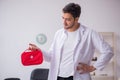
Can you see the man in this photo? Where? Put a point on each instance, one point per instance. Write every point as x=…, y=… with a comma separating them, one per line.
x=73, y=48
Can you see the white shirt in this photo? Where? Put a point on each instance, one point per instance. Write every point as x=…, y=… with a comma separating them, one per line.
x=67, y=65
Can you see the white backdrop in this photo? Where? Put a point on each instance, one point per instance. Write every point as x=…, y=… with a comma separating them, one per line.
x=22, y=20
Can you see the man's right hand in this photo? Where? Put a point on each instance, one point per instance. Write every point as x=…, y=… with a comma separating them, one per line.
x=33, y=47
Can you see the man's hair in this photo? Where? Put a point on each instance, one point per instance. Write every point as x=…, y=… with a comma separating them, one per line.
x=73, y=9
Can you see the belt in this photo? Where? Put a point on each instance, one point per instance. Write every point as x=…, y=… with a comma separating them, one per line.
x=65, y=78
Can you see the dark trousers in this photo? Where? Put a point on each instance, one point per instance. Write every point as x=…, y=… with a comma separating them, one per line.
x=62, y=78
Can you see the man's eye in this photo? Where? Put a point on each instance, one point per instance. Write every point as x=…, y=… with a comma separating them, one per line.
x=68, y=19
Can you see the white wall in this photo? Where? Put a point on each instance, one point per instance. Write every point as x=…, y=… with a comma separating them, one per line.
x=22, y=20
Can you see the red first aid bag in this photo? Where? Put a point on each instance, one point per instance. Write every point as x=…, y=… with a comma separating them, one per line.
x=31, y=57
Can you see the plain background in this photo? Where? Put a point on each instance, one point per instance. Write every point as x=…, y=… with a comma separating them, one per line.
x=22, y=20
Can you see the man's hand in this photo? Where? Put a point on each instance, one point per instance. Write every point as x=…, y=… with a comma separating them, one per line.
x=33, y=47
x=84, y=68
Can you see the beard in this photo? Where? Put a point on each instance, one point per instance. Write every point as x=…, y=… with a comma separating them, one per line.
x=69, y=26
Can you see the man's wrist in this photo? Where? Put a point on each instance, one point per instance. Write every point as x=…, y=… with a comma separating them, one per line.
x=92, y=68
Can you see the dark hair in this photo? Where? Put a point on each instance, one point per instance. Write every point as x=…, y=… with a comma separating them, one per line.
x=73, y=9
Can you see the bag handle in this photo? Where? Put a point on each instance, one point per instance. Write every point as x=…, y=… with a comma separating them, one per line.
x=28, y=50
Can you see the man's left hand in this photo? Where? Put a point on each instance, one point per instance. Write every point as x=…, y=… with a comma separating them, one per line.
x=84, y=68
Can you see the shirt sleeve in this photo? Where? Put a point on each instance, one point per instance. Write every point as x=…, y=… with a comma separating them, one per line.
x=48, y=54
x=104, y=48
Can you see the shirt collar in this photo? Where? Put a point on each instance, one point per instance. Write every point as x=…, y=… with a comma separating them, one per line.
x=81, y=31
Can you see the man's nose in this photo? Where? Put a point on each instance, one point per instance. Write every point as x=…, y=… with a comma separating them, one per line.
x=64, y=21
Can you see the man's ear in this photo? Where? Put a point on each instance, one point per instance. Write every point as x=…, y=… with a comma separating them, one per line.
x=76, y=19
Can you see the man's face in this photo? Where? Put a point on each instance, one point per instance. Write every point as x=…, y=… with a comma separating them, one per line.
x=68, y=21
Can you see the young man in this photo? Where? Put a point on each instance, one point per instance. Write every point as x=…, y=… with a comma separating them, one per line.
x=73, y=48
